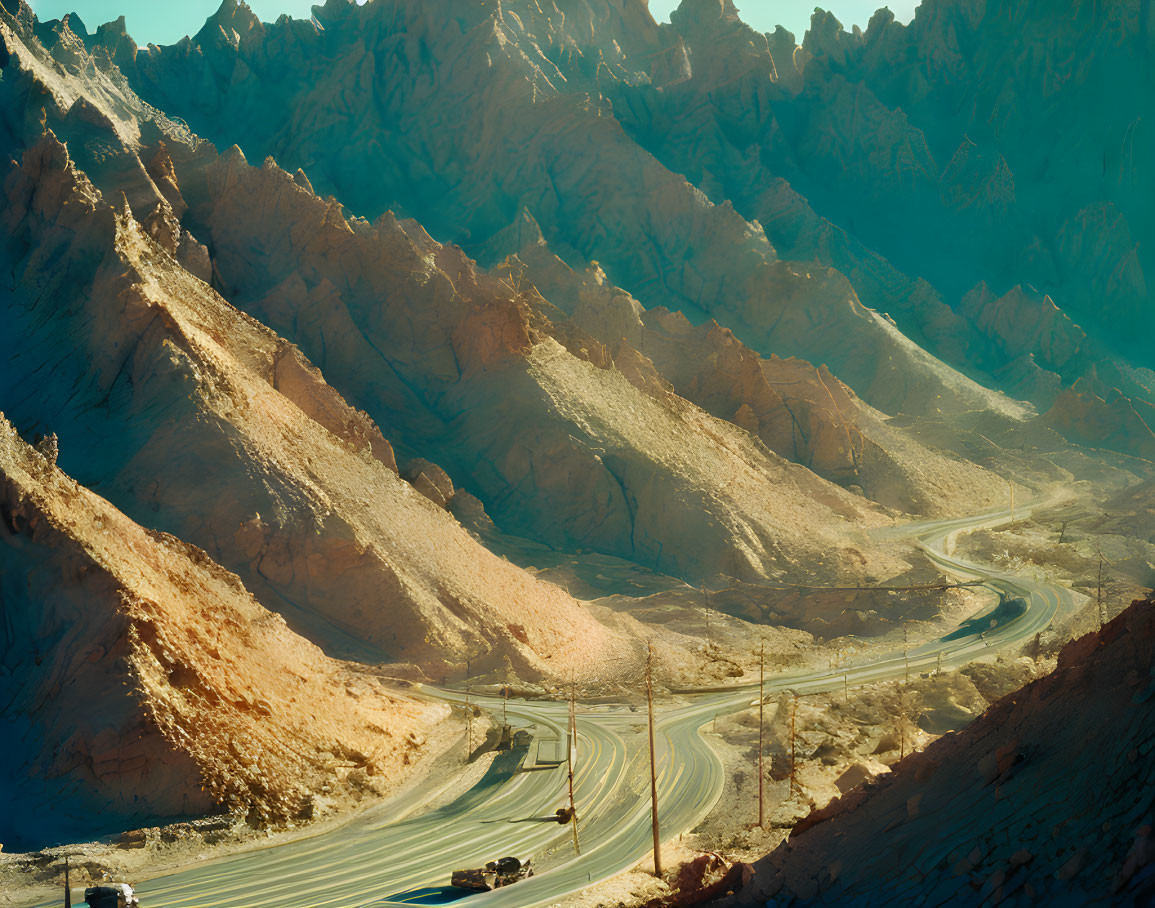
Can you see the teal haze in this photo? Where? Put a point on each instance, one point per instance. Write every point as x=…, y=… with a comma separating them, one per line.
x=150, y=22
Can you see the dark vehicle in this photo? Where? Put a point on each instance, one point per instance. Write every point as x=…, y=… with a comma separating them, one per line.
x=494, y=875
x=1008, y=609
x=114, y=895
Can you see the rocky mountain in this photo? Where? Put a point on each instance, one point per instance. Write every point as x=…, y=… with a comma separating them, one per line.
x=142, y=681
x=417, y=91
x=491, y=356
x=357, y=329
x=996, y=811
x=947, y=191
x=703, y=165
x=202, y=422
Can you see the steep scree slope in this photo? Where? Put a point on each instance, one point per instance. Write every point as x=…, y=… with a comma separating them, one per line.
x=1048, y=797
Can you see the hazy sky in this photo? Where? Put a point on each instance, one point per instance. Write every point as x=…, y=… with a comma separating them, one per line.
x=167, y=21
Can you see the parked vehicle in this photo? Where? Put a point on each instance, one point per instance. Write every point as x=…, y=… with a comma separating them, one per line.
x=114, y=895
x=494, y=875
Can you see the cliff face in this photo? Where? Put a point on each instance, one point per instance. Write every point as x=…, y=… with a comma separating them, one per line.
x=142, y=681
x=996, y=812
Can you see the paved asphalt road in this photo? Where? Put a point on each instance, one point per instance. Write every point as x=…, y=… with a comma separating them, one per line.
x=396, y=855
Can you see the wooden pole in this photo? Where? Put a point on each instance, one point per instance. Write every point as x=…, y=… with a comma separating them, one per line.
x=67, y=885
x=570, y=757
x=653, y=769
x=902, y=724
x=1099, y=592
x=468, y=715
x=906, y=650
x=793, y=714
x=761, y=702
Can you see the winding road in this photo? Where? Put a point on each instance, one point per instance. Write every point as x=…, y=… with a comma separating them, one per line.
x=394, y=855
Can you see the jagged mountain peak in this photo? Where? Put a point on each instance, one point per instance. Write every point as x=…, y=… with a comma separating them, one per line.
x=690, y=13
x=234, y=22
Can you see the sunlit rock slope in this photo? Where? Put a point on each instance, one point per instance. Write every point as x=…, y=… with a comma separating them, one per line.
x=197, y=420
x=142, y=681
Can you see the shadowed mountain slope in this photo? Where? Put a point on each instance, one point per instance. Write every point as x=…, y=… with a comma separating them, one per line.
x=1001, y=812
x=1002, y=160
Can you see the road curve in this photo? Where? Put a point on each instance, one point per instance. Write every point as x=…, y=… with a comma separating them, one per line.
x=391, y=855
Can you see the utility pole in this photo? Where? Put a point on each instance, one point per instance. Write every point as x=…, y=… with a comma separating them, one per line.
x=468, y=714
x=906, y=650
x=67, y=885
x=653, y=770
x=902, y=723
x=846, y=686
x=761, y=703
x=572, y=757
x=793, y=715
x=1099, y=591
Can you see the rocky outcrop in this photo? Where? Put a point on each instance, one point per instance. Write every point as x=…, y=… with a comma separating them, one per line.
x=1001, y=90
x=975, y=816
x=1025, y=322
x=207, y=399
x=157, y=686
x=836, y=148
x=1117, y=423
x=511, y=399
x=803, y=413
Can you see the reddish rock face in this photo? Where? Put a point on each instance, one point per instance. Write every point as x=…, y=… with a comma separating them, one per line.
x=803, y=414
